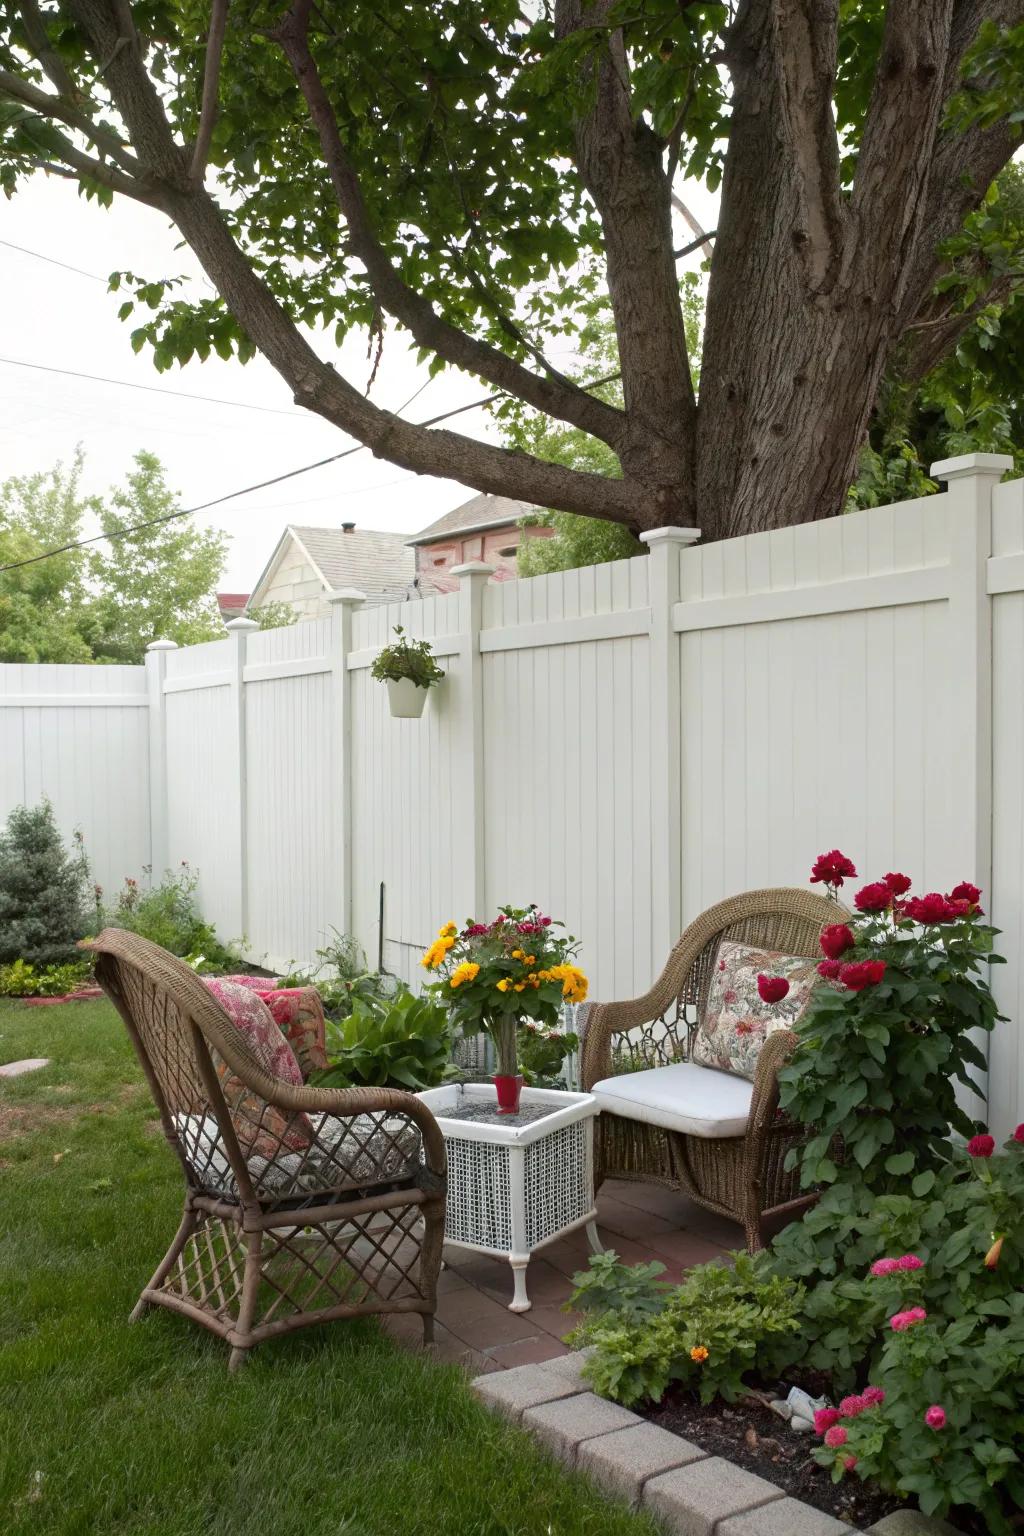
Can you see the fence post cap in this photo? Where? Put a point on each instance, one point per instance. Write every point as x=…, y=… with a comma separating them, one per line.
x=971, y=464
x=653, y=536
x=346, y=595
x=162, y=645
x=240, y=626
x=471, y=568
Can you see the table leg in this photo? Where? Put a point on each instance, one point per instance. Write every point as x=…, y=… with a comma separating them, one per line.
x=520, y=1301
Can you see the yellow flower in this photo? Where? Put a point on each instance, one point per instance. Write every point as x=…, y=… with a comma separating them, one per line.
x=529, y=959
x=574, y=983
x=517, y=954
x=698, y=1354
x=534, y=982
x=448, y=931
x=503, y=985
x=520, y=986
x=436, y=953
x=467, y=971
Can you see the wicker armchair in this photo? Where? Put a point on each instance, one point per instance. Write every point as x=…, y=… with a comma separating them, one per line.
x=741, y=1175
x=335, y=1207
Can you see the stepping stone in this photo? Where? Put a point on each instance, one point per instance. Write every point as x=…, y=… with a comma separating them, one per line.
x=30, y=1064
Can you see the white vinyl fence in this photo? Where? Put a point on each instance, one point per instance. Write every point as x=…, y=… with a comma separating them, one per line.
x=623, y=744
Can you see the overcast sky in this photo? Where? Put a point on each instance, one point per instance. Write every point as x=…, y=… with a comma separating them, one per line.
x=58, y=319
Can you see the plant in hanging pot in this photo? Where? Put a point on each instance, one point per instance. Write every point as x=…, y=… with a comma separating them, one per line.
x=497, y=976
x=409, y=667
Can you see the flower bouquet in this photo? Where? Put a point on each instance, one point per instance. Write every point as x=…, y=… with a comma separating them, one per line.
x=497, y=976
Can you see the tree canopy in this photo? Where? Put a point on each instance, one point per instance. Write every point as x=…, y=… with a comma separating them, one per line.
x=478, y=173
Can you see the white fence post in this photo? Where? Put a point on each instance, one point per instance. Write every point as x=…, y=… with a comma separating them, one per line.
x=237, y=922
x=471, y=879
x=970, y=480
x=343, y=601
x=664, y=587
x=156, y=674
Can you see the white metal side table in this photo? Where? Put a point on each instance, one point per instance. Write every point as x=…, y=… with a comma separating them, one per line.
x=516, y=1182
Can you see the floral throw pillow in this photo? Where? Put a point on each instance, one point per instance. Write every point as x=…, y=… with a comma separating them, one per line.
x=299, y=1013
x=260, y=1127
x=737, y=1021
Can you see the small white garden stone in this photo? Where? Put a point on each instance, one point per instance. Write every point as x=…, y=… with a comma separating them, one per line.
x=30, y=1064
x=781, y=1407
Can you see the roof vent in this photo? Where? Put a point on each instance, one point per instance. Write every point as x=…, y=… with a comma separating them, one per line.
x=347, y=527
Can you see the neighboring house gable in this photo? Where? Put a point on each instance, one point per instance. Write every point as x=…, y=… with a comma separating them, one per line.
x=483, y=528
x=310, y=562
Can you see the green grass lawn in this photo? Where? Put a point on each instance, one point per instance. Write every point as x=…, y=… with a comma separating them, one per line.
x=139, y=1430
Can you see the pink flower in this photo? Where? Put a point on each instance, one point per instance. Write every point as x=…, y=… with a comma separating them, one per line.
x=474, y=930
x=872, y=1396
x=885, y=1266
x=835, y=1437
x=832, y=868
x=910, y=1261
x=901, y=1321
x=861, y=974
x=772, y=989
x=849, y=1462
x=829, y=969
x=935, y=1417
x=873, y=898
x=824, y=1418
x=850, y=1407
x=729, y=995
x=981, y=1146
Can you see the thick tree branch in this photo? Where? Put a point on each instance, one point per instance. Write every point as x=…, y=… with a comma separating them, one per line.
x=806, y=42
x=211, y=83
x=59, y=110
x=39, y=43
x=555, y=397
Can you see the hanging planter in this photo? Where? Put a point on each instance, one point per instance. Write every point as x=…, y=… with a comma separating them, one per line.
x=410, y=669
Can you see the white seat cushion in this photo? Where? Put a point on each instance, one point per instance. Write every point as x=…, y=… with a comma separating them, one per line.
x=683, y=1097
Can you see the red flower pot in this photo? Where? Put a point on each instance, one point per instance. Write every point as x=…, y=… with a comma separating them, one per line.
x=508, y=1090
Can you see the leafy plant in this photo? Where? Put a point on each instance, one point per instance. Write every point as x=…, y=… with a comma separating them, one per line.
x=401, y=1042
x=42, y=889
x=169, y=915
x=407, y=658
x=629, y=1292
x=23, y=980
x=706, y=1333
x=882, y=1049
x=542, y=1052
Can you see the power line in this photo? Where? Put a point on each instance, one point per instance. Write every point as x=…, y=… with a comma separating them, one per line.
x=152, y=522
x=152, y=389
x=24, y=250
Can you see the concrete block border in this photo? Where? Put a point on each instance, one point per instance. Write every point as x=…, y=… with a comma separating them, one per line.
x=688, y=1491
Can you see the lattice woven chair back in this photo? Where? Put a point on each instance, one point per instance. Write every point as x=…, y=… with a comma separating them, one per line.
x=743, y=1177
x=302, y=1204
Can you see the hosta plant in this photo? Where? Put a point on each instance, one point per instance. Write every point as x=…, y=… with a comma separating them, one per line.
x=402, y=1042
x=885, y=1043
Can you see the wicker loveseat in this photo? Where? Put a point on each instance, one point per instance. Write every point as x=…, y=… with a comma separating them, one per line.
x=302, y=1204
x=716, y=1137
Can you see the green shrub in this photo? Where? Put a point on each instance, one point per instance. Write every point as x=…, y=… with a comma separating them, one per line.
x=42, y=889
x=23, y=980
x=705, y=1333
x=401, y=1042
x=542, y=1052
x=169, y=915
x=407, y=658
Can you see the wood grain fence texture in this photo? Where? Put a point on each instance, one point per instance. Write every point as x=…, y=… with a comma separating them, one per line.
x=623, y=744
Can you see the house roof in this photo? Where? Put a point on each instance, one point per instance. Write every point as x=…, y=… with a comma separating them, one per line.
x=374, y=562
x=478, y=512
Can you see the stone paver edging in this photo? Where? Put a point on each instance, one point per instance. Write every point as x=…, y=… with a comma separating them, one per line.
x=688, y=1491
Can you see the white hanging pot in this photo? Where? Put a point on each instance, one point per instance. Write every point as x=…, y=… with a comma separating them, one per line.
x=406, y=698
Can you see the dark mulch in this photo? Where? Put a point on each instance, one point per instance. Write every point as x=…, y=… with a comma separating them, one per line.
x=753, y=1436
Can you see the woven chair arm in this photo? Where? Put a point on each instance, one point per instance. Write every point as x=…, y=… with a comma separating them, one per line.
x=764, y=1102
x=348, y=1103
x=603, y=1021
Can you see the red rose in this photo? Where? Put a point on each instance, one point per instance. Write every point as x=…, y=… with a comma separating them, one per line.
x=965, y=891
x=932, y=908
x=873, y=898
x=829, y=969
x=832, y=868
x=861, y=974
x=835, y=940
x=898, y=884
x=981, y=1146
x=1018, y=1134
x=772, y=988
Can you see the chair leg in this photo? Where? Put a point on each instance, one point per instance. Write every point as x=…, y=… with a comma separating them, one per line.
x=189, y=1222
x=238, y=1357
x=428, y=1328
x=240, y=1337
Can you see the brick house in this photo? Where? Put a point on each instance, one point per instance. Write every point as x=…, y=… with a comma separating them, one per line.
x=483, y=528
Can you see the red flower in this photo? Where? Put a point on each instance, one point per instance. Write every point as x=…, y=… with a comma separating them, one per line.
x=829, y=969
x=836, y=939
x=824, y=1418
x=873, y=1395
x=849, y=1462
x=832, y=868
x=910, y=1261
x=772, y=988
x=835, y=1436
x=1018, y=1134
x=898, y=884
x=873, y=898
x=934, y=908
x=901, y=1321
x=965, y=891
x=935, y=1417
x=861, y=974
x=850, y=1407
x=981, y=1146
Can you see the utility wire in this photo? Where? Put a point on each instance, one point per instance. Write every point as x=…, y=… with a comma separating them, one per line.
x=152, y=522
x=152, y=389
x=24, y=250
